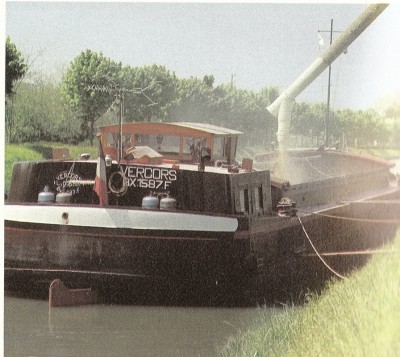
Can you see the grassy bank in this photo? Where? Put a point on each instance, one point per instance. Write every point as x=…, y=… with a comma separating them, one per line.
x=359, y=316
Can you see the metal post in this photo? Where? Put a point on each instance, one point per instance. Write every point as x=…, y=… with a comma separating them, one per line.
x=327, y=119
x=121, y=108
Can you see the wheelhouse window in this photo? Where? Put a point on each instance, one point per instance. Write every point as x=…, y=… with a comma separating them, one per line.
x=113, y=139
x=225, y=148
x=188, y=143
x=164, y=144
x=233, y=147
x=219, y=147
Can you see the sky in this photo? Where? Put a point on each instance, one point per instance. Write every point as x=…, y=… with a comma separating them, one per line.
x=256, y=45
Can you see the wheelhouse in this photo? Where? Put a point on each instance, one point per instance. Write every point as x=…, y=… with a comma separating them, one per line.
x=173, y=141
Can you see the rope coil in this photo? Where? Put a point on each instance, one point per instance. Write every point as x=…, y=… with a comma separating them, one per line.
x=117, y=183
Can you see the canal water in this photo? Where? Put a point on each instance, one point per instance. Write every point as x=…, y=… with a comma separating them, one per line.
x=31, y=329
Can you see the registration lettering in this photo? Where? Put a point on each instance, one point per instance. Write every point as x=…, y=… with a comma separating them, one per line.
x=67, y=181
x=149, y=177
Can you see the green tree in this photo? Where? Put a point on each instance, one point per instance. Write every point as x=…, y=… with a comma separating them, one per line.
x=269, y=124
x=308, y=121
x=209, y=80
x=155, y=92
x=362, y=127
x=90, y=86
x=40, y=113
x=395, y=134
x=236, y=108
x=15, y=70
x=268, y=95
x=15, y=65
x=192, y=101
x=245, y=110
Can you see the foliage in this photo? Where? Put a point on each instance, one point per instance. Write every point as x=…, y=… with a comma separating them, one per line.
x=308, y=120
x=83, y=84
x=393, y=111
x=192, y=101
x=245, y=111
x=226, y=105
x=93, y=85
x=155, y=92
x=362, y=127
x=15, y=70
x=39, y=114
x=395, y=132
x=15, y=65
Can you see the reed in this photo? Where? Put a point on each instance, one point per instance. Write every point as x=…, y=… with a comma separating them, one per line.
x=359, y=316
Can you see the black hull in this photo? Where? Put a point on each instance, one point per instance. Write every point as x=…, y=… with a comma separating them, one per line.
x=121, y=253
x=273, y=258
x=346, y=237
x=114, y=261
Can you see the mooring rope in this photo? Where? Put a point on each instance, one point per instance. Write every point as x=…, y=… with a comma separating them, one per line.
x=358, y=252
x=317, y=170
x=317, y=253
x=353, y=219
x=386, y=202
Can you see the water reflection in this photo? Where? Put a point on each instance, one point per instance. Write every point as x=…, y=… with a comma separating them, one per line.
x=30, y=329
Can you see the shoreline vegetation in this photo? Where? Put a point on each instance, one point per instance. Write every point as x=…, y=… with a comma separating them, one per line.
x=359, y=316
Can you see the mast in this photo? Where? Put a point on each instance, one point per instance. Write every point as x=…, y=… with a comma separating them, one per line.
x=327, y=120
x=120, y=96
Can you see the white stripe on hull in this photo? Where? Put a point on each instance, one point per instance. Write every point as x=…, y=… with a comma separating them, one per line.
x=118, y=218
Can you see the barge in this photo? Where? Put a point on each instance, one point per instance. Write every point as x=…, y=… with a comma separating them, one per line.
x=172, y=206
x=169, y=204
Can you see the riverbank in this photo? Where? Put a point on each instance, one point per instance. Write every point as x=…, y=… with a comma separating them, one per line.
x=359, y=316
x=384, y=153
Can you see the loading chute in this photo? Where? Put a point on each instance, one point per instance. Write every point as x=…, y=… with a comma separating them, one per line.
x=282, y=106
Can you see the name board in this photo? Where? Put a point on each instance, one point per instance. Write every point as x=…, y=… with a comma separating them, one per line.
x=149, y=177
x=63, y=180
